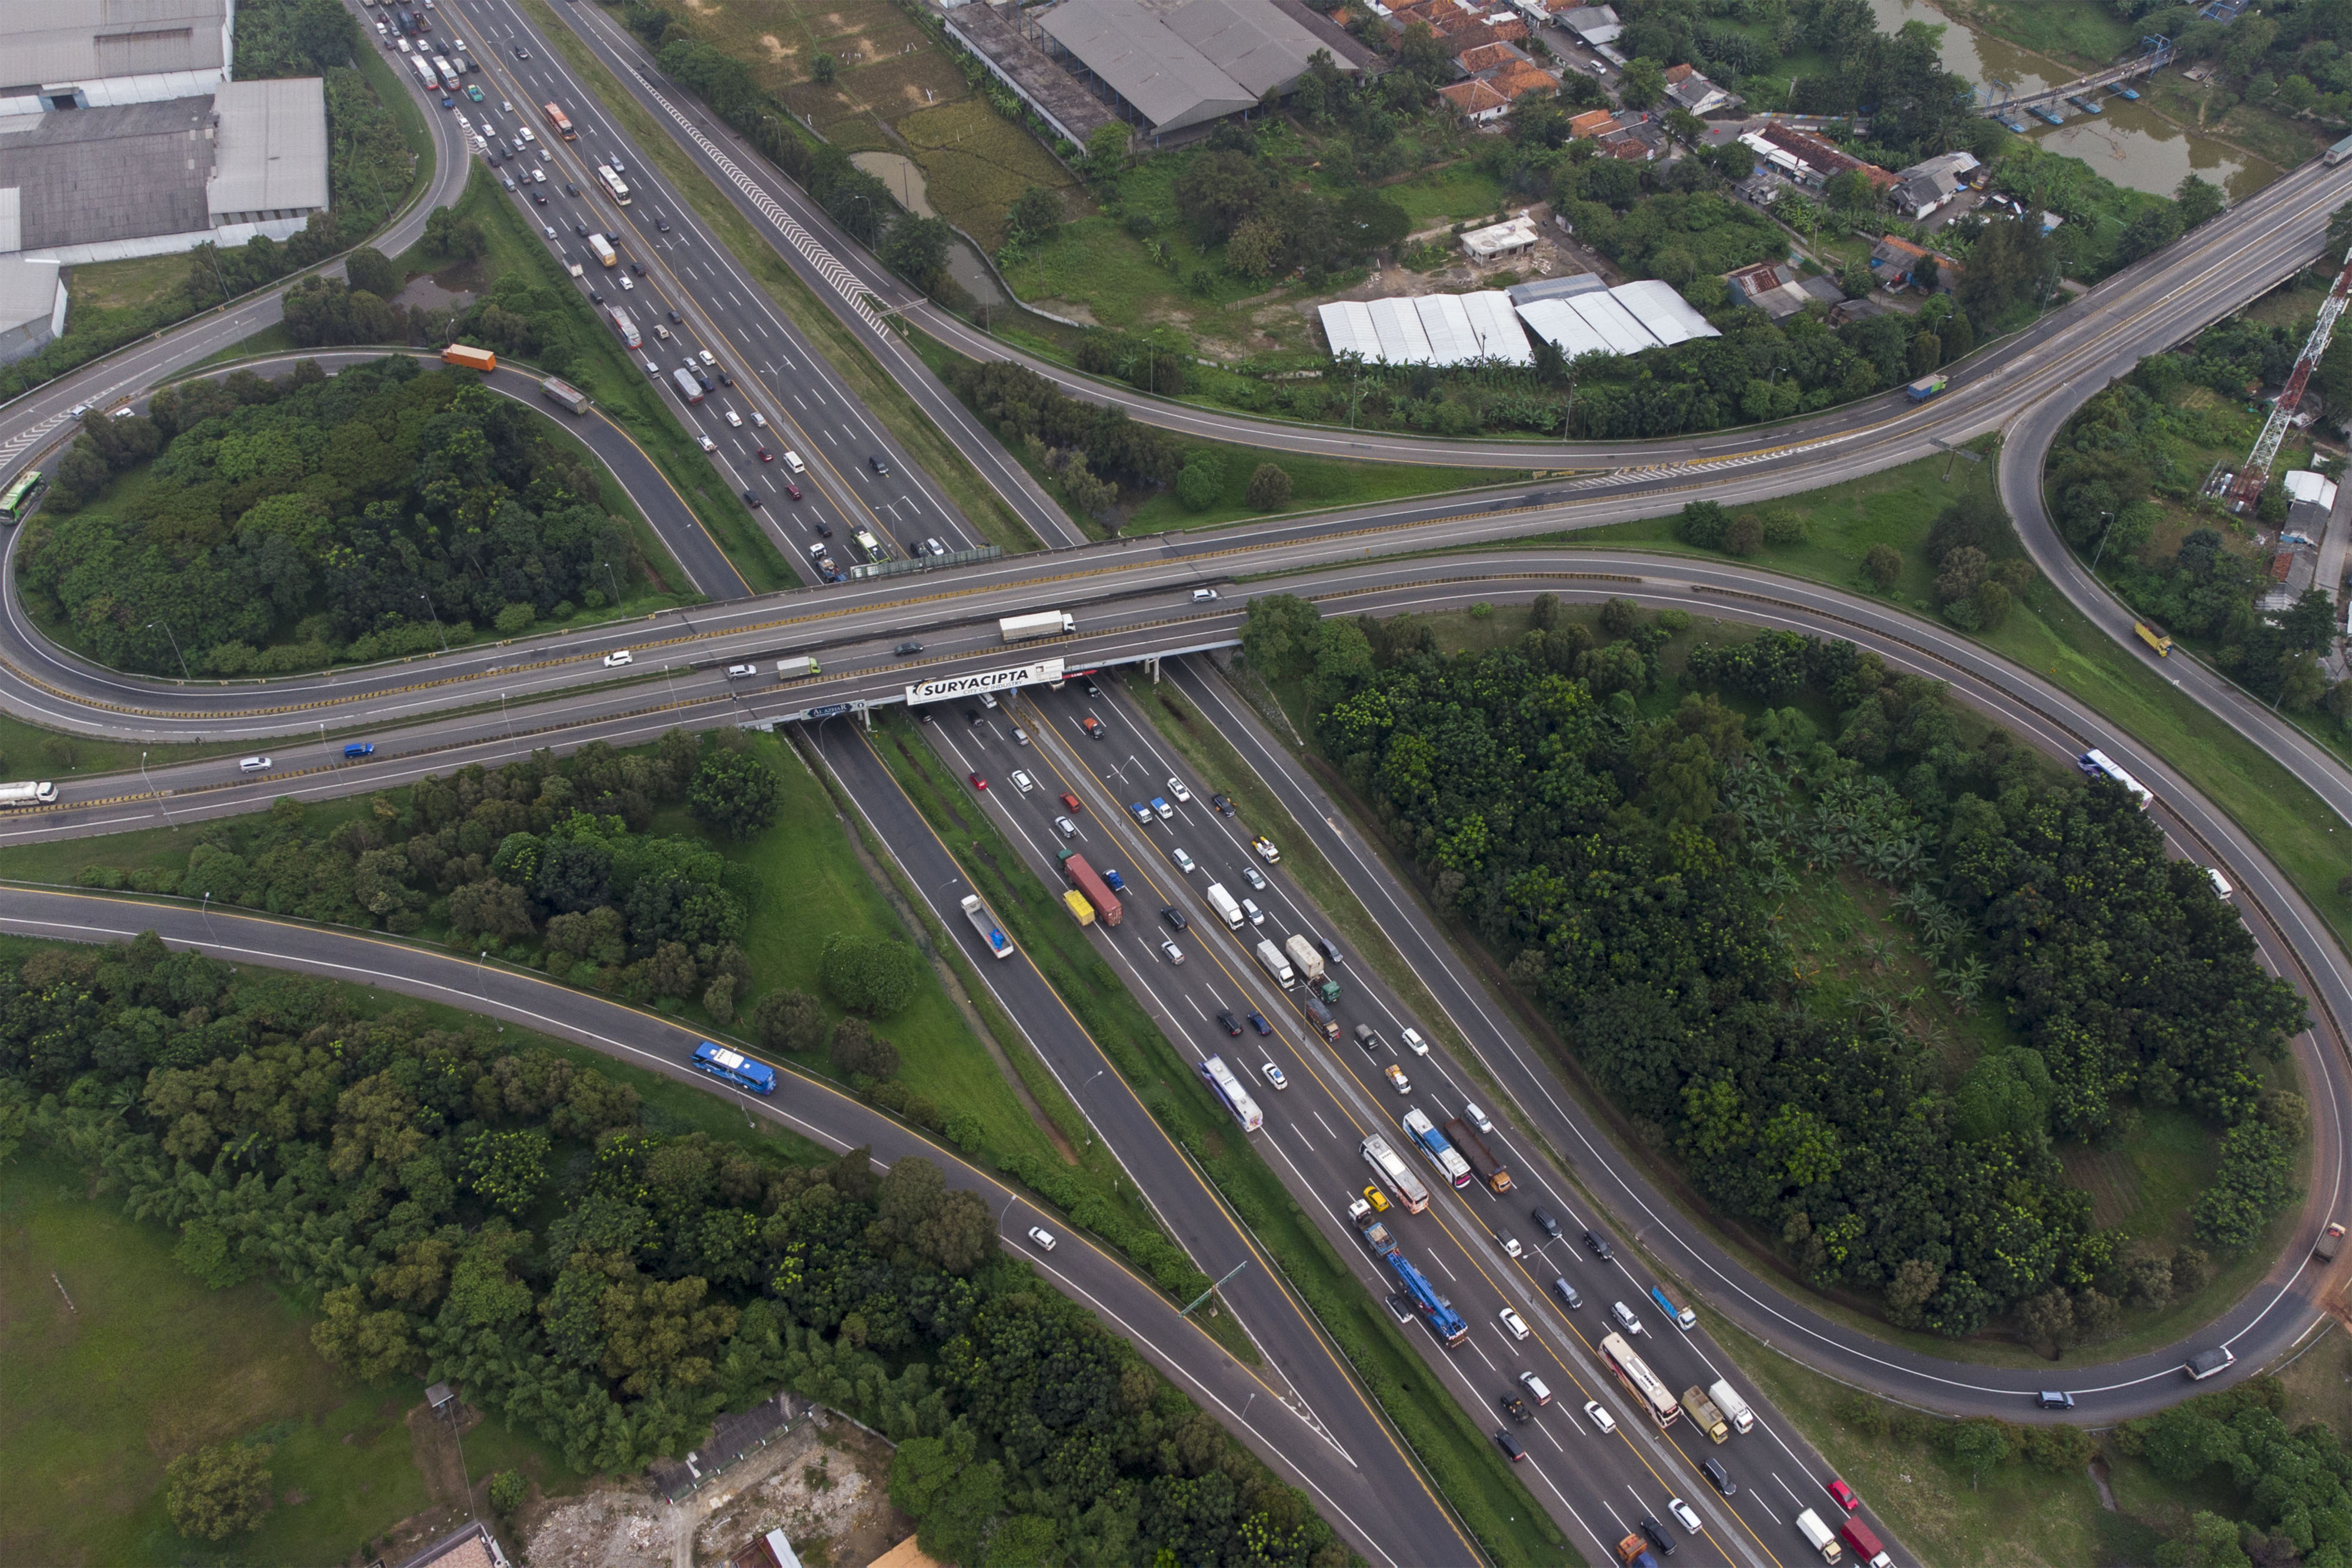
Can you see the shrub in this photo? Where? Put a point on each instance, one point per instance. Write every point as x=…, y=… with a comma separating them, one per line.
x=1883, y=566
x=870, y=975
x=219, y=1491
x=1269, y=488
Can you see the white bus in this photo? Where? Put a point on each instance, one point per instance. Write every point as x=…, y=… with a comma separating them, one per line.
x=1638, y=1380
x=424, y=73
x=2096, y=764
x=1442, y=1154
x=613, y=184
x=1229, y=1089
x=1395, y=1174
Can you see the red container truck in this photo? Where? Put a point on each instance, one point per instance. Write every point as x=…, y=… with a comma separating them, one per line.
x=1085, y=878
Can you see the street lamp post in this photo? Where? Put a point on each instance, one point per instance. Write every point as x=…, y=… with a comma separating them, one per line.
x=2102, y=542
x=613, y=580
x=436, y=620
x=166, y=626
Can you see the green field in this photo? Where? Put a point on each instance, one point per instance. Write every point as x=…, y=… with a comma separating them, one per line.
x=852, y=360
x=1463, y=1462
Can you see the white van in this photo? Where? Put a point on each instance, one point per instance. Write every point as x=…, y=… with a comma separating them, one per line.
x=792, y=461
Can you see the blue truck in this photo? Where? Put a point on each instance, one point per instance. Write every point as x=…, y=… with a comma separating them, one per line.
x=1681, y=1318
x=1926, y=386
x=1434, y=1310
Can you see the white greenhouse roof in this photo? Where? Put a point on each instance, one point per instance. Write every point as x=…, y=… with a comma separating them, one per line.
x=1563, y=328
x=1348, y=325
x=1403, y=342
x=1451, y=340
x=1500, y=336
x=1619, y=327
x=1668, y=316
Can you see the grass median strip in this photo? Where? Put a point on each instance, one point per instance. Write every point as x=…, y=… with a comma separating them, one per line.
x=1459, y=1458
x=851, y=359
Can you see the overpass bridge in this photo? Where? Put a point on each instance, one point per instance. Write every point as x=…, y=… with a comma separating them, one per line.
x=2154, y=53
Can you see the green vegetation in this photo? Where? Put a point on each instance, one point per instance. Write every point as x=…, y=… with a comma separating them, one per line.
x=1459, y=1458
x=1874, y=1172
x=378, y=156
x=244, y=526
x=852, y=356
x=665, y=1277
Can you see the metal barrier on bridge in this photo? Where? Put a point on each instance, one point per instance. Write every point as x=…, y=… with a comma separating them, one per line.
x=914, y=563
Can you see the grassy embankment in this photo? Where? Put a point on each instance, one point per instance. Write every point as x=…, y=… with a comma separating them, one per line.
x=1460, y=1457
x=850, y=356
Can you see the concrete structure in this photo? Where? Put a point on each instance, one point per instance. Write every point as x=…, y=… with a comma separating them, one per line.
x=471, y=1545
x=1428, y=329
x=32, y=307
x=1001, y=45
x=104, y=54
x=147, y=179
x=1501, y=239
x=1592, y=25
x=1189, y=64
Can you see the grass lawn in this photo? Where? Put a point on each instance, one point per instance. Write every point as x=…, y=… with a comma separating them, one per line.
x=976, y=164
x=607, y=374
x=1449, y=194
x=2082, y=34
x=1461, y=1460
x=854, y=360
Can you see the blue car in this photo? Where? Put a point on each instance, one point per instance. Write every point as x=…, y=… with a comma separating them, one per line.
x=1117, y=883
x=1258, y=1023
x=358, y=749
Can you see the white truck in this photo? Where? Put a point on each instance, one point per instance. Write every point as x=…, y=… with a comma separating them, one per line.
x=1227, y=910
x=1044, y=623
x=1727, y=1399
x=1816, y=1534
x=1303, y=953
x=43, y=793
x=1270, y=960
x=992, y=934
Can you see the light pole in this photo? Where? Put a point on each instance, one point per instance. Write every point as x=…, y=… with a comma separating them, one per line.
x=613, y=580
x=507, y=724
x=436, y=620
x=160, y=806
x=166, y=626
x=2102, y=542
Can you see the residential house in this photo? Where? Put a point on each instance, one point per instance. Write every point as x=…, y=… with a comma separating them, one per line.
x=1847, y=310
x=1693, y=91
x=1896, y=261
x=1824, y=154
x=1926, y=187
x=1486, y=58
x=1521, y=77
x=1476, y=100
x=1592, y=122
x=1780, y=290
x=1594, y=26
x=1501, y=239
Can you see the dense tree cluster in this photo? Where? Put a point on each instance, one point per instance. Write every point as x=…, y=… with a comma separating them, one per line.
x=2288, y=1494
x=378, y=1166
x=1094, y=454
x=1626, y=868
x=281, y=524
x=1270, y=221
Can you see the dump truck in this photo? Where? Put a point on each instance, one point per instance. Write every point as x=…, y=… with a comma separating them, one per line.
x=1926, y=386
x=1818, y=1536
x=990, y=934
x=1043, y=623
x=1090, y=882
x=1270, y=960
x=564, y=395
x=1316, y=1010
x=1482, y=1163
x=1374, y=1229
x=1080, y=910
x=467, y=357
x=1704, y=1414
x=2153, y=637
x=1635, y=1552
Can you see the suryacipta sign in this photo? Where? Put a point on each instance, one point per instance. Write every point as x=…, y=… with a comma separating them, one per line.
x=948, y=686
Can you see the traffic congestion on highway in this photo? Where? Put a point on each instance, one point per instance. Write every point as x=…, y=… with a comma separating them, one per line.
x=1557, y=1294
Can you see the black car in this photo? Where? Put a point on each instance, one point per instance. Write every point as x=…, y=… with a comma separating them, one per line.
x=1658, y=1536
x=662, y=224
x=1330, y=948
x=824, y=532
x=1258, y=1023
x=612, y=238
x=751, y=497
x=1515, y=1408
x=539, y=198
x=972, y=715
x=579, y=229
x=930, y=718
x=1092, y=690
x=594, y=297
x=1719, y=1478
x=1224, y=803
x=1174, y=917
x=904, y=649
x=638, y=267
x=1509, y=1445
x=1599, y=1246
x=521, y=52
x=1543, y=1218
x=570, y=189
x=676, y=320
x=879, y=464
x=725, y=379
x=1233, y=1025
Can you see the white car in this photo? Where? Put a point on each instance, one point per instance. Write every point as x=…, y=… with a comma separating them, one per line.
x=1513, y=1323
x=1476, y=1117
x=734, y=419
x=1022, y=782
x=254, y=764
x=539, y=176
x=1600, y=1418
x=506, y=108
x=1396, y=1076
x=1256, y=916
x=708, y=358
x=1175, y=954
x=1250, y=876
x=1274, y=1075
x=1412, y=1038
x=1683, y=1515
x=78, y=411
x=1176, y=788
x=707, y=445
x=1537, y=1386
x=1183, y=861
x=628, y=284
x=1042, y=1236
x=1069, y=830
x=742, y=672
x=1625, y=1318
x=614, y=661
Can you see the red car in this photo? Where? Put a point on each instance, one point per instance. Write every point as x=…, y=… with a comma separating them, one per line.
x=766, y=455
x=980, y=783
x=791, y=489
x=1845, y=1496
x=1072, y=802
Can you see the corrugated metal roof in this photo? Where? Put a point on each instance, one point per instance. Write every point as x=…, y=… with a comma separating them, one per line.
x=1666, y=315
x=1403, y=340
x=1258, y=47
x=1451, y=340
x=272, y=151
x=92, y=175
x=1553, y=321
x=64, y=42
x=1500, y=336
x=1347, y=327
x=1617, y=327
x=1168, y=80
x=1556, y=288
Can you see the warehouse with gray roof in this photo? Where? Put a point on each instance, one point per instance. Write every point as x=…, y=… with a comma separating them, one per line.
x=102, y=54
x=1173, y=68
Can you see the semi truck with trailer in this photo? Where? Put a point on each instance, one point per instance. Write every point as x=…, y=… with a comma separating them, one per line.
x=1817, y=1535
x=469, y=357
x=1320, y=1015
x=1868, y=1549
x=1080, y=910
x=565, y=394
x=1042, y=623
x=1926, y=386
x=1704, y=1415
x=1277, y=967
x=1728, y=1400
x=1227, y=910
x=1090, y=882
x=1395, y=1175
x=991, y=935
x=1482, y=1159
x=1308, y=961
